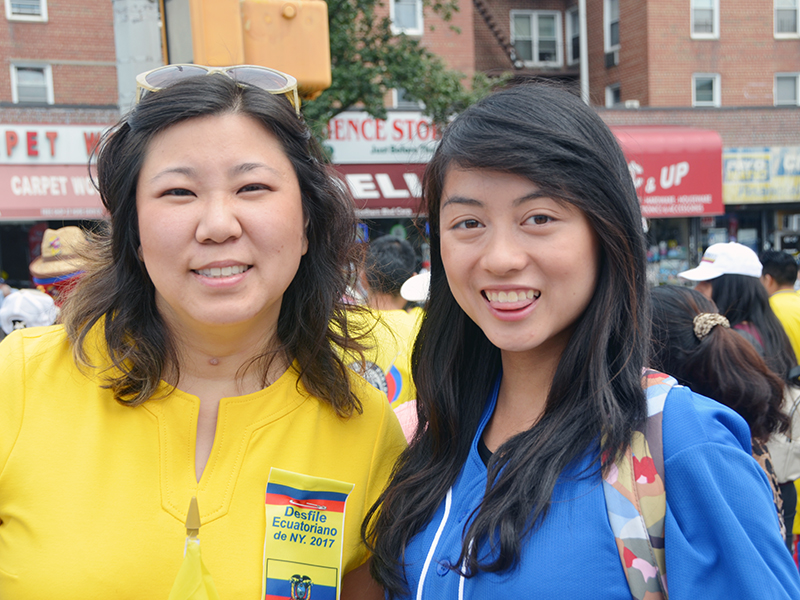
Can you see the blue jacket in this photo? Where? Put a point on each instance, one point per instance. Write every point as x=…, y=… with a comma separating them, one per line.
x=722, y=533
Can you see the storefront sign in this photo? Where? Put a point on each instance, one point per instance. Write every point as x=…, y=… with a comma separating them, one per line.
x=48, y=192
x=677, y=171
x=48, y=144
x=403, y=137
x=761, y=175
x=384, y=190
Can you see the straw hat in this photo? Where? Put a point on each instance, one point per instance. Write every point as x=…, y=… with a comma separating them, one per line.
x=60, y=256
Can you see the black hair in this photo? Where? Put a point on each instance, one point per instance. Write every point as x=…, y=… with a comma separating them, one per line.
x=117, y=289
x=390, y=262
x=781, y=266
x=743, y=299
x=551, y=138
x=723, y=365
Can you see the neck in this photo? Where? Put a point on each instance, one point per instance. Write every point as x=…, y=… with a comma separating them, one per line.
x=386, y=302
x=214, y=357
x=785, y=288
x=523, y=394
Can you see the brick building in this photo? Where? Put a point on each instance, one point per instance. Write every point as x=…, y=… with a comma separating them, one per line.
x=672, y=68
x=67, y=68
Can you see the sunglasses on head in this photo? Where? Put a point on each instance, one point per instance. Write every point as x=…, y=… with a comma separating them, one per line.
x=263, y=78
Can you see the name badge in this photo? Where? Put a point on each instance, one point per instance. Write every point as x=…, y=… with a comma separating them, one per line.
x=303, y=542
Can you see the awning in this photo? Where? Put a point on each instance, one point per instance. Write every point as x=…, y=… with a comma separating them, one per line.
x=677, y=171
x=43, y=192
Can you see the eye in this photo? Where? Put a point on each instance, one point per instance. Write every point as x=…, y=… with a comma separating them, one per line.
x=253, y=187
x=539, y=219
x=178, y=192
x=468, y=224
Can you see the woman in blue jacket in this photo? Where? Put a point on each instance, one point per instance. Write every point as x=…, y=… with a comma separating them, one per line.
x=528, y=369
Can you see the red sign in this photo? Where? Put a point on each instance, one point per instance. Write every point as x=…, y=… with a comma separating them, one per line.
x=48, y=192
x=384, y=190
x=677, y=171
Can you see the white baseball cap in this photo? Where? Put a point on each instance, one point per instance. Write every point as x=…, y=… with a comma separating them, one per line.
x=415, y=289
x=729, y=258
x=27, y=308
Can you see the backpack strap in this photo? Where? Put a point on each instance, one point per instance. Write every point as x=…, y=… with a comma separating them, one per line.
x=636, y=500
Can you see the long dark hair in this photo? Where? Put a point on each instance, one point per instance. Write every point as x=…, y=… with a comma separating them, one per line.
x=118, y=290
x=723, y=365
x=550, y=137
x=744, y=299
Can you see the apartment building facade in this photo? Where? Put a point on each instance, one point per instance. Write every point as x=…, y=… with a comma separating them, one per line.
x=670, y=77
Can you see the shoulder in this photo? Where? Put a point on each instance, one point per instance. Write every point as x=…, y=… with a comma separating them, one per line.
x=35, y=344
x=691, y=420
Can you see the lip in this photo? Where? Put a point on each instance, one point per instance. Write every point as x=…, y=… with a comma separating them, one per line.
x=221, y=281
x=510, y=311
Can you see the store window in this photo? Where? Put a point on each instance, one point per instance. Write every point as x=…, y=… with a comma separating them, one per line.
x=667, y=250
x=573, y=36
x=536, y=37
x=406, y=16
x=26, y=10
x=705, y=89
x=787, y=89
x=705, y=19
x=786, y=21
x=31, y=84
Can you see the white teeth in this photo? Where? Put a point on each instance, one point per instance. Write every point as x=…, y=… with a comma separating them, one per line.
x=222, y=271
x=513, y=296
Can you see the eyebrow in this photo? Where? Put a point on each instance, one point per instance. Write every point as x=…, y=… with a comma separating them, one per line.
x=247, y=167
x=463, y=200
x=237, y=170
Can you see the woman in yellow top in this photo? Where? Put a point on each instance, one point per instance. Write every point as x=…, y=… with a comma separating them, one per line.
x=197, y=359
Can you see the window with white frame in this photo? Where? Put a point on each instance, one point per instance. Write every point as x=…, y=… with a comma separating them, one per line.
x=573, y=36
x=402, y=101
x=787, y=89
x=613, y=95
x=786, y=21
x=536, y=36
x=611, y=25
x=705, y=89
x=705, y=19
x=406, y=16
x=31, y=84
x=26, y=10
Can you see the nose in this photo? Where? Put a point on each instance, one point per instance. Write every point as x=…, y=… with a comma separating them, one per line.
x=503, y=253
x=218, y=221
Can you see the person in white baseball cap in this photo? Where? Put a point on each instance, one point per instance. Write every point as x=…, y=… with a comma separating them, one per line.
x=730, y=258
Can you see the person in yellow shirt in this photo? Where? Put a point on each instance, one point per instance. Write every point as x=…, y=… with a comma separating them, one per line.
x=778, y=277
x=198, y=357
x=390, y=261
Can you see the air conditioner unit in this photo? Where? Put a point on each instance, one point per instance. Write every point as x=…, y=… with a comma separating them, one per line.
x=612, y=59
x=631, y=104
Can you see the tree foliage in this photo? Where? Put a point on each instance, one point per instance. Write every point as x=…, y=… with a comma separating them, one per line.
x=368, y=60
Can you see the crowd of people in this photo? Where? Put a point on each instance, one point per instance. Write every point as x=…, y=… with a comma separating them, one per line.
x=566, y=430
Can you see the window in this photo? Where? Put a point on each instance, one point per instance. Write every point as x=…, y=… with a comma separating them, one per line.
x=31, y=84
x=705, y=89
x=26, y=10
x=611, y=24
x=406, y=16
x=613, y=96
x=786, y=18
x=536, y=36
x=705, y=19
x=787, y=89
x=573, y=36
x=403, y=102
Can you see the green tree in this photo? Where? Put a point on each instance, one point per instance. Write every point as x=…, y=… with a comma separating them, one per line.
x=367, y=60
